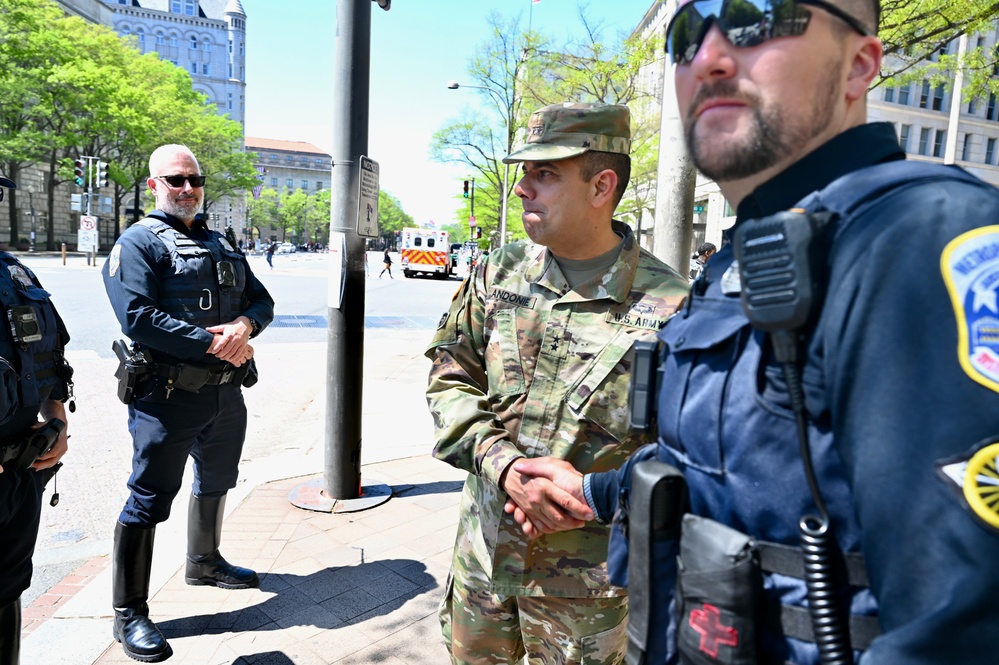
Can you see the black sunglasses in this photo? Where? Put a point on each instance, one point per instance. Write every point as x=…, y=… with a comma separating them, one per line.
x=744, y=23
x=178, y=180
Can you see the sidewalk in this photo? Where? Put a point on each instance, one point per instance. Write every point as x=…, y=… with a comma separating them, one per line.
x=358, y=587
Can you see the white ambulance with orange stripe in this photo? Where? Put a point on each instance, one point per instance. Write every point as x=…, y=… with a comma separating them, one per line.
x=425, y=251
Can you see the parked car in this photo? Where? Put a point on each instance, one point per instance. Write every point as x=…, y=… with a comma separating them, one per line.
x=286, y=248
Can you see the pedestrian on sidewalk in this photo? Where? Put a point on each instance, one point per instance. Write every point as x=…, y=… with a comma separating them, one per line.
x=534, y=333
x=190, y=303
x=387, y=260
x=270, y=254
x=35, y=380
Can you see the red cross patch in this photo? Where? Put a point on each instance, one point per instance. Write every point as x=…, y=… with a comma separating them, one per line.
x=706, y=621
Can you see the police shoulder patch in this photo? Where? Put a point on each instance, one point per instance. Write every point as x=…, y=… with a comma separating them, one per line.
x=970, y=267
x=114, y=260
x=19, y=274
x=974, y=477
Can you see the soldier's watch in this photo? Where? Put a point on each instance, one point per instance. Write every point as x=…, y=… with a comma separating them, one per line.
x=254, y=325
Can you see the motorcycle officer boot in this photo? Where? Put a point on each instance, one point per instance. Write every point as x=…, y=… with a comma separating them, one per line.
x=132, y=563
x=10, y=632
x=205, y=566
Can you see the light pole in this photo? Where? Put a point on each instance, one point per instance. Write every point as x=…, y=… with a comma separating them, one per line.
x=31, y=206
x=454, y=85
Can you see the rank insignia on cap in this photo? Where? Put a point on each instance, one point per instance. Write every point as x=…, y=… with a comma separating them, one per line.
x=974, y=476
x=114, y=260
x=970, y=266
x=19, y=275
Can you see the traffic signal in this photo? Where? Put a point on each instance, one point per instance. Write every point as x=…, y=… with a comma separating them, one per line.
x=466, y=189
x=478, y=232
x=102, y=174
x=78, y=172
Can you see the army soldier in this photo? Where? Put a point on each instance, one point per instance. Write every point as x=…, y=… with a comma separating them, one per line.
x=34, y=379
x=533, y=359
x=189, y=301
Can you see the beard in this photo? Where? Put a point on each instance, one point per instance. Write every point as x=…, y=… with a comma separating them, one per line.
x=184, y=209
x=773, y=134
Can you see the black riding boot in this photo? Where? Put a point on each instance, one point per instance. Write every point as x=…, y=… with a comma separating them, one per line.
x=133, y=560
x=10, y=632
x=204, y=563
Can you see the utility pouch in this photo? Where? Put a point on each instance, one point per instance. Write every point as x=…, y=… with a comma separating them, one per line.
x=188, y=377
x=132, y=370
x=719, y=584
x=251, y=377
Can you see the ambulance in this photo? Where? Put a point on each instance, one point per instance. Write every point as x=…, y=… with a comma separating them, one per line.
x=426, y=251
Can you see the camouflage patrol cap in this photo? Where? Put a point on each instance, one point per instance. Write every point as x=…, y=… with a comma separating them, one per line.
x=566, y=130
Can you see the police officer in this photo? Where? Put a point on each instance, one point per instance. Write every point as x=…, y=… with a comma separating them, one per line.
x=533, y=359
x=34, y=380
x=190, y=303
x=898, y=367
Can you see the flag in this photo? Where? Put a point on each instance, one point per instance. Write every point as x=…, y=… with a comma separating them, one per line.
x=535, y=2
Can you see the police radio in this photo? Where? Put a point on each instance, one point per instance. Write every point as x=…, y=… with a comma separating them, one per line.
x=643, y=389
x=782, y=268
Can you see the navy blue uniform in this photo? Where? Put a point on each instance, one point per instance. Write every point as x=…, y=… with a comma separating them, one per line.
x=901, y=379
x=29, y=374
x=163, y=281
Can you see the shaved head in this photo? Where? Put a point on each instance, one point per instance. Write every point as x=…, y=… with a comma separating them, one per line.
x=164, y=156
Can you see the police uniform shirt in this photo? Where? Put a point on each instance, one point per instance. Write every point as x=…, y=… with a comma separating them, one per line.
x=526, y=366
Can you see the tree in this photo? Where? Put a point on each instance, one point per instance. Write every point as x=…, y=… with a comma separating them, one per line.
x=263, y=210
x=317, y=216
x=291, y=214
x=391, y=217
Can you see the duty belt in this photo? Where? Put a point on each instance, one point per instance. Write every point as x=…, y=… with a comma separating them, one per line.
x=192, y=377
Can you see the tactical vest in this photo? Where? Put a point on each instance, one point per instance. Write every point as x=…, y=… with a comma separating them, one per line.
x=33, y=368
x=194, y=292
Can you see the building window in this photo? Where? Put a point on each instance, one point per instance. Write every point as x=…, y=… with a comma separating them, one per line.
x=206, y=46
x=190, y=7
x=938, y=98
x=173, y=61
x=903, y=137
x=230, y=71
x=206, y=69
x=924, y=95
x=173, y=41
x=230, y=46
x=319, y=185
x=289, y=183
x=990, y=112
x=889, y=95
x=903, y=95
x=938, y=142
x=305, y=184
x=273, y=182
x=175, y=7
x=194, y=68
x=160, y=39
x=972, y=106
x=194, y=43
x=289, y=157
x=924, y=141
x=966, y=151
x=990, y=150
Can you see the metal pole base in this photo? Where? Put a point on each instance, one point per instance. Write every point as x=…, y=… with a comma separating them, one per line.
x=310, y=496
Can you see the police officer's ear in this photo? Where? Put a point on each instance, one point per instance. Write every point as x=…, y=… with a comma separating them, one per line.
x=604, y=185
x=865, y=64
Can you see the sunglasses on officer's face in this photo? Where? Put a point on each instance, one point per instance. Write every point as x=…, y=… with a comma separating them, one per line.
x=178, y=180
x=744, y=23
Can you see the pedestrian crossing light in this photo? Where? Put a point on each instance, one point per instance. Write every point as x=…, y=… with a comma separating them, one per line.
x=466, y=189
x=478, y=232
x=78, y=172
x=102, y=174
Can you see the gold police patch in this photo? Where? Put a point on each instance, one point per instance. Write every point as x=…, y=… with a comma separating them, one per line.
x=974, y=476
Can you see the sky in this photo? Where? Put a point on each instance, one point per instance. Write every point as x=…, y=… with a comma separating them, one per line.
x=416, y=49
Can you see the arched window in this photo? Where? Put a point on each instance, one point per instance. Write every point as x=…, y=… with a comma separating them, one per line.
x=140, y=35
x=174, y=42
x=160, y=38
x=194, y=42
x=206, y=46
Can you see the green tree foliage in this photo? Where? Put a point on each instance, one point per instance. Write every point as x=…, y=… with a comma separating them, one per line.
x=291, y=214
x=391, y=217
x=920, y=39
x=263, y=211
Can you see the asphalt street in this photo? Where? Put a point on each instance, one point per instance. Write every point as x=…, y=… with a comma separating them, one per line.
x=286, y=407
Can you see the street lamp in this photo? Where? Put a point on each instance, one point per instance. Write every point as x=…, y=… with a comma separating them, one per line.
x=31, y=206
x=454, y=85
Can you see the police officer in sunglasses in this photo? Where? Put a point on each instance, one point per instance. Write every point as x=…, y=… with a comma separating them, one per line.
x=190, y=304
x=855, y=519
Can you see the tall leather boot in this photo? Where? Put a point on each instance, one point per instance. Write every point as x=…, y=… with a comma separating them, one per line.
x=204, y=563
x=10, y=632
x=132, y=563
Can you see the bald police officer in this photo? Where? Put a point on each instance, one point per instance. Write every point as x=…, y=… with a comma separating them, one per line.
x=190, y=302
x=533, y=359
x=34, y=380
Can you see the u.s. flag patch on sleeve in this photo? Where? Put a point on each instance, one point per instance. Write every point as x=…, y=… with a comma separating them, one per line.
x=970, y=266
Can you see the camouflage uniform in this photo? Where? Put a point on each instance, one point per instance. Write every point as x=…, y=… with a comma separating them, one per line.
x=526, y=366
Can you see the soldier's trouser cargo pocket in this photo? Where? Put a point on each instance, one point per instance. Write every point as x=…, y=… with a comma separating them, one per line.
x=718, y=589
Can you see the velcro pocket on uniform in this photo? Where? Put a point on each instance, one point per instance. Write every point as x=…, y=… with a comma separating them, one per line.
x=600, y=395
